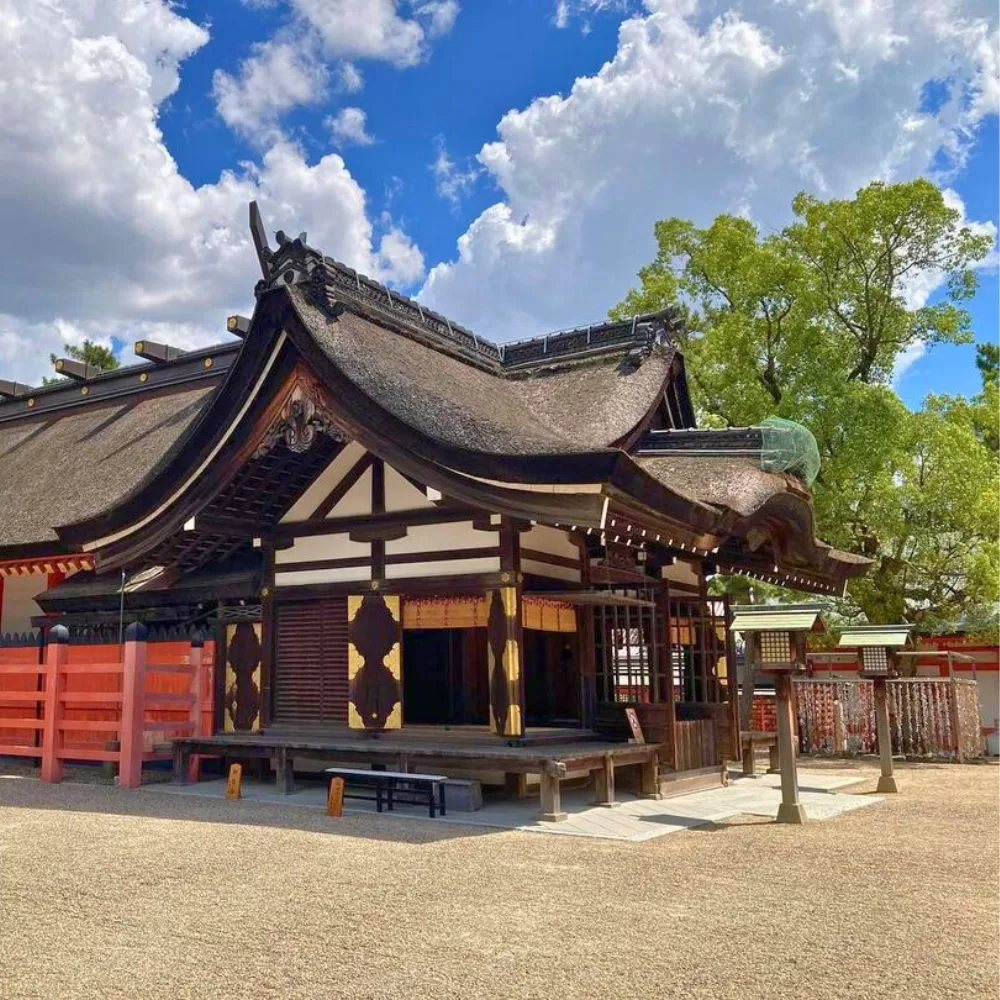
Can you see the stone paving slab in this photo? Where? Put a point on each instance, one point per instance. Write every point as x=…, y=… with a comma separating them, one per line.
x=633, y=819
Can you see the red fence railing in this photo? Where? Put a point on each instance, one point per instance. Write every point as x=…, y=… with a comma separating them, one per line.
x=101, y=702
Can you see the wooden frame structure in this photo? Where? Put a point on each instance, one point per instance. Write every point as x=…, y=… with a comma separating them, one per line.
x=379, y=512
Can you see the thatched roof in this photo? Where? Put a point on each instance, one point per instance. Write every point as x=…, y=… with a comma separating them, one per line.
x=735, y=482
x=62, y=468
x=568, y=408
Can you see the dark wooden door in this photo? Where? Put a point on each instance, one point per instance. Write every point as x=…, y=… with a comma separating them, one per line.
x=310, y=661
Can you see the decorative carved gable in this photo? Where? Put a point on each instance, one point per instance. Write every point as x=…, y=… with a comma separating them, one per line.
x=301, y=418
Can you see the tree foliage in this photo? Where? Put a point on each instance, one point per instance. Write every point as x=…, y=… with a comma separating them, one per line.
x=809, y=323
x=96, y=355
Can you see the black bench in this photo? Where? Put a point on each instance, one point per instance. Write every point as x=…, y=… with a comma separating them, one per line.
x=391, y=787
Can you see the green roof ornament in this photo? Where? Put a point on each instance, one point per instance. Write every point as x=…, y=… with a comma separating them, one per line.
x=787, y=446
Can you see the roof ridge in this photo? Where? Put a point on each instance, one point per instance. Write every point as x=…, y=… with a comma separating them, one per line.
x=332, y=281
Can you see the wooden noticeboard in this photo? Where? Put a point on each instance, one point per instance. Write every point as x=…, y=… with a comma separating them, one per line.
x=633, y=722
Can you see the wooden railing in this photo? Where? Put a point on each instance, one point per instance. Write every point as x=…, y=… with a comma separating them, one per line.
x=75, y=706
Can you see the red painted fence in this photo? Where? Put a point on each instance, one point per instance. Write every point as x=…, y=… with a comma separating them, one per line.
x=102, y=702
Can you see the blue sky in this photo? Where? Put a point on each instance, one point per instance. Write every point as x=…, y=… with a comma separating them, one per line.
x=503, y=159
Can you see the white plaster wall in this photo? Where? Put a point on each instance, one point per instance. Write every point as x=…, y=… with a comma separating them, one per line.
x=435, y=537
x=316, y=547
x=554, y=541
x=549, y=570
x=452, y=567
x=344, y=575
x=401, y=494
x=18, y=601
x=682, y=572
x=324, y=483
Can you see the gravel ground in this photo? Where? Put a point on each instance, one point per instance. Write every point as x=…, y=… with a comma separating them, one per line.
x=107, y=893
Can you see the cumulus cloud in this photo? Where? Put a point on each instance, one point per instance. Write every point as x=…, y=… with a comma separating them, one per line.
x=349, y=127
x=319, y=41
x=452, y=182
x=112, y=240
x=701, y=110
x=278, y=75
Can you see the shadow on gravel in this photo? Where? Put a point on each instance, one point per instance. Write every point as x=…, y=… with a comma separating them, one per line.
x=24, y=791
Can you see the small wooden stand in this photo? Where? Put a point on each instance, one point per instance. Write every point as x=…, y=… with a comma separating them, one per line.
x=234, y=784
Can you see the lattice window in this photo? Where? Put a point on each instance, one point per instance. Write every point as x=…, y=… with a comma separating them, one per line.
x=874, y=659
x=775, y=647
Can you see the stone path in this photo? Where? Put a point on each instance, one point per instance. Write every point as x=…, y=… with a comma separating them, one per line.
x=632, y=820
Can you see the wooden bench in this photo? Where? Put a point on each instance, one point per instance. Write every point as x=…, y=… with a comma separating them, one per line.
x=390, y=787
x=749, y=741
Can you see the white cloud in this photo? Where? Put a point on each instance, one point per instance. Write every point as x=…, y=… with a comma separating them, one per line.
x=566, y=10
x=440, y=15
x=295, y=66
x=111, y=240
x=349, y=127
x=452, y=182
x=704, y=110
x=279, y=74
x=349, y=78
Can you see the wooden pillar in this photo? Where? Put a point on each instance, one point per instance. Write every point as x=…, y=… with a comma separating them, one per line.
x=887, y=781
x=505, y=658
x=374, y=662
x=198, y=692
x=649, y=779
x=604, y=783
x=56, y=654
x=553, y=771
x=133, y=706
x=790, y=810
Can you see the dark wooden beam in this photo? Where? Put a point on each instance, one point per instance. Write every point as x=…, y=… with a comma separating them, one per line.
x=13, y=390
x=339, y=491
x=360, y=522
x=238, y=326
x=75, y=369
x=233, y=527
x=378, y=507
x=158, y=353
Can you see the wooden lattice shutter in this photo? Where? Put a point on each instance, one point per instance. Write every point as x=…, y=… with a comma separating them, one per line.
x=310, y=668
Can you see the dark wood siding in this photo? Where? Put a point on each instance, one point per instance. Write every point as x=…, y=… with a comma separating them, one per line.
x=310, y=663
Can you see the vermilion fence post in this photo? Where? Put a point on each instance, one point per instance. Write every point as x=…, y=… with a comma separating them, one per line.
x=133, y=706
x=56, y=654
x=198, y=705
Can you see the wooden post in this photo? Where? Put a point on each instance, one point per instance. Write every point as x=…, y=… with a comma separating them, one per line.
x=886, y=782
x=956, y=715
x=839, y=729
x=649, y=779
x=604, y=783
x=198, y=705
x=335, y=798
x=56, y=654
x=790, y=810
x=773, y=760
x=553, y=771
x=133, y=706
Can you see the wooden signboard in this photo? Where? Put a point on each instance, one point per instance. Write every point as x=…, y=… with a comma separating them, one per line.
x=633, y=722
x=234, y=786
x=335, y=800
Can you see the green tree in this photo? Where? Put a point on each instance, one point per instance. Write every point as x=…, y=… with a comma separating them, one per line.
x=96, y=355
x=809, y=323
